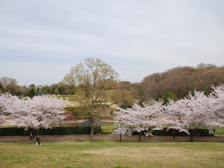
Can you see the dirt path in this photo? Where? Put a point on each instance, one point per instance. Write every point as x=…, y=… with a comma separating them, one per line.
x=110, y=137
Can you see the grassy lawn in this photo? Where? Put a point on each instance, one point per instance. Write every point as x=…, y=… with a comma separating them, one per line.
x=114, y=154
x=110, y=126
x=219, y=131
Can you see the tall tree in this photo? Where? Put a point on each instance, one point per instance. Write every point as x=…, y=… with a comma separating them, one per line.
x=13, y=87
x=32, y=86
x=92, y=77
x=8, y=85
x=61, y=90
x=32, y=93
x=46, y=90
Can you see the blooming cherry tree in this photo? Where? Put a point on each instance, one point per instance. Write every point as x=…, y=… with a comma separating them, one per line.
x=140, y=119
x=10, y=106
x=190, y=113
x=40, y=111
x=217, y=101
x=3, y=103
x=46, y=110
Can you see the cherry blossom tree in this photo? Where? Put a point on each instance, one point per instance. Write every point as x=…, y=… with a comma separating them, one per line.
x=3, y=105
x=190, y=113
x=45, y=110
x=40, y=111
x=140, y=119
x=2, y=115
x=8, y=108
x=217, y=101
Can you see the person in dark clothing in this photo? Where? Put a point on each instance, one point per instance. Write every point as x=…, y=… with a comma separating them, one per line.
x=173, y=134
x=38, y=141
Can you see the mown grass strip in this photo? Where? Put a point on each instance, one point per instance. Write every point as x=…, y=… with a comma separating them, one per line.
x=112, y=154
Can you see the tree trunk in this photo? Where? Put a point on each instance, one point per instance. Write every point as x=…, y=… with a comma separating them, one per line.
x=191, y=134
x=92, y=127
x=140, y=134
x=178, y=94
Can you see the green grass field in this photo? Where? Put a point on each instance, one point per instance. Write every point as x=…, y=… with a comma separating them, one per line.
x=68, y=154
x=110, y=126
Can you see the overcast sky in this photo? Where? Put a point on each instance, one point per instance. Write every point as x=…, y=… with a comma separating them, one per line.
x=40, y=40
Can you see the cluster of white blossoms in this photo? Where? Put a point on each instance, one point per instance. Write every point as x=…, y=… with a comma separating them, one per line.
x=188, y=114
x=40, y=111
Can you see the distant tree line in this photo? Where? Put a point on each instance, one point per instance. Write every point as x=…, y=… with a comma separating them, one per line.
x=9, y=85
x=174, y=83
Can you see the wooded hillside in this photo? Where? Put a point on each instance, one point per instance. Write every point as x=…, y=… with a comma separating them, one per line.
x=181, y=80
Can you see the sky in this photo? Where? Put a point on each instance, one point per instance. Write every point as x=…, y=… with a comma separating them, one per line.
x=40, y=40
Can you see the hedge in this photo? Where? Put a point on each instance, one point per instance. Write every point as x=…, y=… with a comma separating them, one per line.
x=11, y=131
x=199, y=132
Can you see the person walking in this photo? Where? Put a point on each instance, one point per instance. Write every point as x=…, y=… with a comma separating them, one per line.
x=173, y=134
x=38, y=141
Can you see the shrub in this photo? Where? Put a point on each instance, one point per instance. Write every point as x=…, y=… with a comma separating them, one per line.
x=106, y=131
